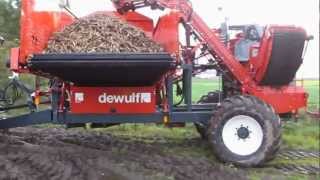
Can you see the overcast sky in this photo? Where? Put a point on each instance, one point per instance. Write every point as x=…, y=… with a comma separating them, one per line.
x=303, y=13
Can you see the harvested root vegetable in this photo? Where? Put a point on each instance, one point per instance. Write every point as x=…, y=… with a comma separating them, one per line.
x=100, y=33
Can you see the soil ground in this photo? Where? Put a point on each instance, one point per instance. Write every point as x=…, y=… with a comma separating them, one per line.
x=56, y=153
x=33, y=153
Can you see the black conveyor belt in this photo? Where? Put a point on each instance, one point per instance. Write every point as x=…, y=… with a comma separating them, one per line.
x=286, y=58
x=111, y=69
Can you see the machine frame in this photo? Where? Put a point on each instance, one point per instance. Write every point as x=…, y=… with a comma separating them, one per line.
x=292, y=97
x=245, y=106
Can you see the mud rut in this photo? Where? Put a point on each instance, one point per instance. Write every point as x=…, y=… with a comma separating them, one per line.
x=56, y=153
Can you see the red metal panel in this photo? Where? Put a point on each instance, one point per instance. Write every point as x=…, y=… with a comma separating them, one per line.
x=14, y=59
x=37, y=27
x=283, y=100
x=106, y=100
x=166, y=32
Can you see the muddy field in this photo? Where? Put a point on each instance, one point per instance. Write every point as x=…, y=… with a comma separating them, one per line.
x=57, y=153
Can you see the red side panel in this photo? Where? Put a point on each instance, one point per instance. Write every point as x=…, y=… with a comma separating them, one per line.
x=14, y=59
x=283, y=100
x=37, y=27
x=166, y=32
x=108, y=100
x=260, y=63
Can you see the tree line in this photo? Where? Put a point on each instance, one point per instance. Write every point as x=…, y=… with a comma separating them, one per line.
x=9, y=19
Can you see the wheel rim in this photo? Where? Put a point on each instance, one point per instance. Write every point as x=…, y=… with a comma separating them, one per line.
x=242, y=135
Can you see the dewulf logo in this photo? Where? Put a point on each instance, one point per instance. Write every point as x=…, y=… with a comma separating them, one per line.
x=125, y=99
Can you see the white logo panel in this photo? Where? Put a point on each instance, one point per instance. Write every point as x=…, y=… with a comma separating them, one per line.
x=145, y=97
x=78, y=97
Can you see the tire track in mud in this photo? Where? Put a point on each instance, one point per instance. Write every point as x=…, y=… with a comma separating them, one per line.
x=287, y=154
x=301, y=169
x=307, y=169
x=22, y=160
x=59, y=154
x=299, y=154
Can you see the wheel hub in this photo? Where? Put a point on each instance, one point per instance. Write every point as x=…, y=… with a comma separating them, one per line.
x=242, y=135
x=243, y=132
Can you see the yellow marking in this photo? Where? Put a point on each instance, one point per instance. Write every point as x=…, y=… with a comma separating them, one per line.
x=37, y=100
x=165, y=119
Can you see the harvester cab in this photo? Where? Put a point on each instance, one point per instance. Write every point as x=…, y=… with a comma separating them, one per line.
x=241, y=122
x=273, y=53
x=250, y=37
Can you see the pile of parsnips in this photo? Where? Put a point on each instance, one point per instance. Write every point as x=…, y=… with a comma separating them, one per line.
x=101, y=33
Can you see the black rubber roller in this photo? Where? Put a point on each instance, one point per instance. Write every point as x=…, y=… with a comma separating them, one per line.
x=285, y=59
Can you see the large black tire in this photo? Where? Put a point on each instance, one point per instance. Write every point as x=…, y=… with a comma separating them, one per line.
x=264, y=128
x=211, y=97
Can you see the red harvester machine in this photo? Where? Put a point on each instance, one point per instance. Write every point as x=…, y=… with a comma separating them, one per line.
x=241, y=122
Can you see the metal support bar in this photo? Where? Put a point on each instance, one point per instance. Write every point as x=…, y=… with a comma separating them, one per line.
x=66, y=118
x=170, y=93
x=26, y=120
x=197, y=107
x=119, y=118
x=187, y=85
x=198, y=25
x=176, y=117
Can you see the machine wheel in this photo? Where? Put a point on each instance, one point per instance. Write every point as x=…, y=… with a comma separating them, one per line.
x=211, y=97
x=245, y=131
